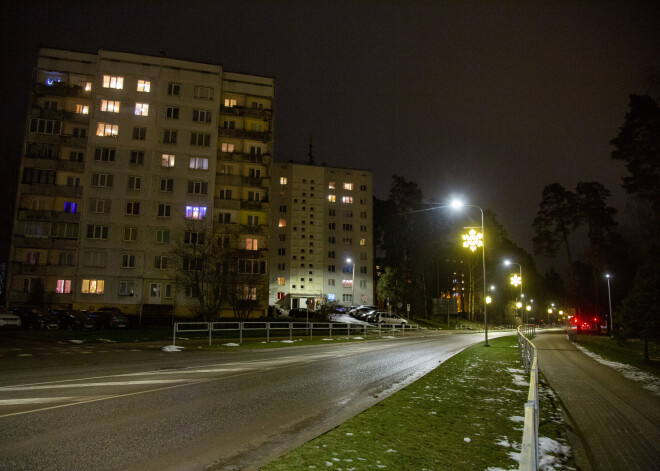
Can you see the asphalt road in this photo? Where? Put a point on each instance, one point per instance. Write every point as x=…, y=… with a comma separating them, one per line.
x=134, y=408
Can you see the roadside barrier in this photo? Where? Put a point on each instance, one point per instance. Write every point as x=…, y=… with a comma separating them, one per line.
x=529, y=455
x=325, y=328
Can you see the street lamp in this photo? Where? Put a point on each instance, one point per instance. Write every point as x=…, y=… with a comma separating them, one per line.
x=348, y=260
x=609, y=298
x=457, y=204
x=516, y=281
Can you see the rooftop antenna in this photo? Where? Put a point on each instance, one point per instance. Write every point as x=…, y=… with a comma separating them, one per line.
x=311, y=148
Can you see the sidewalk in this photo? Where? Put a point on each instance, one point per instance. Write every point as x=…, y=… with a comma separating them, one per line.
x=614, y=422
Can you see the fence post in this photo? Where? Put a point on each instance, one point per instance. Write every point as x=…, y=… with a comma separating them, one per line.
x=240, y=333
x=330, y=330
x=267, y=332
x=174, y=334
x=349, y=330
x=311, y=332
x=210, y=325
x=291, y=331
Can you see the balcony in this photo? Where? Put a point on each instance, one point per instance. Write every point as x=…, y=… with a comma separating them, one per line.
x=224, y=179
x=265, y=114
x=54, y=216
x=61, y=90
x=23, y=241
x=47, y=163
x=240, y=157
x=252, y=181
x=73, y=141
x=220, y=203
x=263, y=136
x=47, y=114
x=246, y=204
x=50, y=189
x=247, y=229
x=46, y=269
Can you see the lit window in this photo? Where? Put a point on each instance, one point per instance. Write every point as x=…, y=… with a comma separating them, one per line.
x=113, y=82
x=282, y=223
x=195, y=212
x=143, y=86
x=226, y=147
x=332, y=198
x=105, y=129
x=280, y=280
x=63, y=286
x=282, y=180
x=251, y=244
x=348, y=186
x=347, y=283
x=230, y=102
x=363, y=241
x=199, y=163
x=142, y=109
x=70, y=207
x=92, y=286
x=82, y=109
x=111, y=106
x=87, y=86
x=167, y=160
x=347, y=199
x=331, y=185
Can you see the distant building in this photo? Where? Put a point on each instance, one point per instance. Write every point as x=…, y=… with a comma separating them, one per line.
x=121, y=153
x=320, y=218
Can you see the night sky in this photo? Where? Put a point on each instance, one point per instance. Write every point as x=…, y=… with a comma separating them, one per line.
x=488, y=100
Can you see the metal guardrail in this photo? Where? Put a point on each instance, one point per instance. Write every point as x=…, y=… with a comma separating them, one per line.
x=529, y=455
x=267, y=327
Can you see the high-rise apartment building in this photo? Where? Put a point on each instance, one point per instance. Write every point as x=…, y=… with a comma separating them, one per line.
x=321, y=238
x=126, y=156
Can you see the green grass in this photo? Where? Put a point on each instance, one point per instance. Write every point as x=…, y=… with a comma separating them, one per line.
x=457, y=417
x=629, y=352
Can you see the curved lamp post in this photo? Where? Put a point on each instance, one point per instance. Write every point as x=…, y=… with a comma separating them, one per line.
x=457, y=204
x=609, y=298
x=348, y=260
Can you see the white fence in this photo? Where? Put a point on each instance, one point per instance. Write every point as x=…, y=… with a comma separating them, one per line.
x=529, y=456
x=281, y=328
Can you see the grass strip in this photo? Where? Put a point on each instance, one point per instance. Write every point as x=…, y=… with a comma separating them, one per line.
x=464, y=415
x=628, y=352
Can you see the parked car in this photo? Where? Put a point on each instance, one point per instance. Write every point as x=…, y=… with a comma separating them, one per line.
x=32, y=318
x=386, y=318
x=74, y=320
x=301, y=312
x=275, y=311
x=7, y=319
x=366, y=314
x=358, y=310
x=109, y=318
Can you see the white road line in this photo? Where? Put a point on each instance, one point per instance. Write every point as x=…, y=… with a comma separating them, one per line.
x=89, y=385
x=35, y=400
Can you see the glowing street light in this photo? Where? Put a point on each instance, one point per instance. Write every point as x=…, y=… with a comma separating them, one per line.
x=348, y=260
x=518, y=304
x=518, y=279
x=458, y=204
x=609, y=298
x=473, y=239
x=489, y=300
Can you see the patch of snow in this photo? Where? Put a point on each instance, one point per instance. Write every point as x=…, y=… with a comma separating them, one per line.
x=516, y=370
x=391, y=451
x=288, y=341
x=514, y=456
x=551, y=452
x=467, y=440
x=184, y=338
x=328, y=463
x=358, y=338
x=76, y=341
x=516, y=418
x=349, y=434
x=107, y=341
x=172, y=348
x=648, y=381
x=388, y=337
x=503, y=442
x=328, y=339
x=230, y=344
x=519, y=380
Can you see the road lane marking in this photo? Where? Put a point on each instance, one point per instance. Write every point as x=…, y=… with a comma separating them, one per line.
x=89, y=385
x=35, y=400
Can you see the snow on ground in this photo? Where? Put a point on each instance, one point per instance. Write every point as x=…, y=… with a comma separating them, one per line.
x=520, y=380
x=548, y=451
x=648, y=381
x=516, y=418
x=76, y=341
x=230, y=344
x=107, y=341
x=172, y=348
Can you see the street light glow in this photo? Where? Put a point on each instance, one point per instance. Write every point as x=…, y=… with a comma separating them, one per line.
x=456, y=204
x=516, y=280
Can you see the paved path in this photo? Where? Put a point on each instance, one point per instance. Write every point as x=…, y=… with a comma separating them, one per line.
x=615, y=423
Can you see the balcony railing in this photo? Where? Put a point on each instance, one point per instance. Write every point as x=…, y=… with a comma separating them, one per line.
x=55, y=216
x=51, y=189
x=246, y=204
x=60, y=90
x=251, y=229
x=262, y=113
x=263, y=136
x=240, y=157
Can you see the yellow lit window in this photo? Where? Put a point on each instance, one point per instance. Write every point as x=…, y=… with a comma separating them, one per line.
x=142, y=109
x=105, y=129
x=251, y=244
x=110, y=106
x=113, y=82
x=226, y=147
x=82, y=109
x=280, y=280
x=348, y=186
x=167, y=160
x=331, y=185
x=332, y=198
x=143, y=86
x=282, y=180
x=93, y=286
x=363, y=241
x=230, y=102
x=87, y=86
x=347, y=199
x=282, y=223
